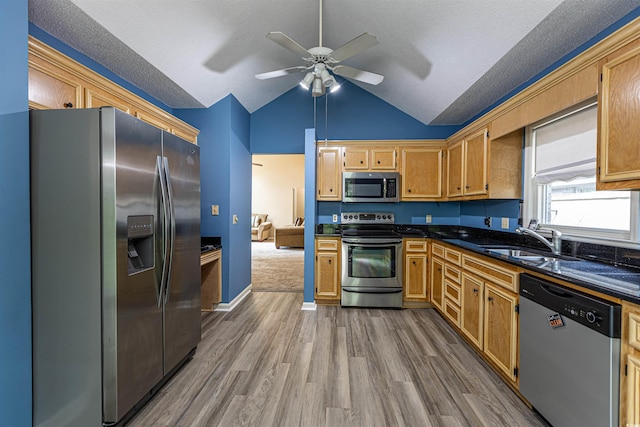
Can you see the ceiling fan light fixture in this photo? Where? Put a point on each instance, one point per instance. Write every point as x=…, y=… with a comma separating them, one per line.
x=318, y=88
x=335, y=86
x=327, y=79
x=307, y=81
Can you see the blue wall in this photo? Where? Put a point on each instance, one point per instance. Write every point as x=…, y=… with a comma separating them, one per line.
x=225, y=180
x=15, y=249
x=353, y=113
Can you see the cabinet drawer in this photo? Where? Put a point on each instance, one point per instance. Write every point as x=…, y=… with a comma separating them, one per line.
x=634, y=330
x=415, y=246
x=452, y=256
x=452, y=292
x=452, y=312
x=327, y=245
x=451, y=272
x=495, y=273
x=437, y=250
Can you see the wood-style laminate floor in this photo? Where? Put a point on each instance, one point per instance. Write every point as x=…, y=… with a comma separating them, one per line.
x=268, y=363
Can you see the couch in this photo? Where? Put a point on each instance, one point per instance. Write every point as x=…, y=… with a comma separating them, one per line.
x=290, y=235
x=260, y=227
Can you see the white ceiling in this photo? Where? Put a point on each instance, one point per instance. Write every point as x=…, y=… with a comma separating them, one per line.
x=443, y=60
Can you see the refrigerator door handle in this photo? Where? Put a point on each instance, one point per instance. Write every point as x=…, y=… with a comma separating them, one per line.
x=172, y=223
x=165, y=229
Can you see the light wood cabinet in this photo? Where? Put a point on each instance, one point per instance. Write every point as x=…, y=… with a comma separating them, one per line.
x=421, y=173
x=358, y=158
x=56, y=81
x=471, y=322
x=480, y=168
x=52, y=87
x=501, y=329
x=436, y=282
x=618, y=127
x=630, y=365
x=468, y=165
x=415, y=270
x=327, y=286
x=329, y=174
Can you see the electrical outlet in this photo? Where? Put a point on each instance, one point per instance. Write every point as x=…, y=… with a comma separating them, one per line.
x=215, y=209
x=487, y=221
x=428, y=219
x=335, y=218
x=505, y=223
x=235, y=218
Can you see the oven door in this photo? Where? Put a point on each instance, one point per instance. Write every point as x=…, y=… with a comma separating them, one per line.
x=371, y=263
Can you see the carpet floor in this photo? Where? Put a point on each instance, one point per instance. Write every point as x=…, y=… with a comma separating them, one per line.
x=276, y=270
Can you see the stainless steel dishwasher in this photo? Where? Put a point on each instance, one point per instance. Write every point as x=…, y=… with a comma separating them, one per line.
x=569, y=354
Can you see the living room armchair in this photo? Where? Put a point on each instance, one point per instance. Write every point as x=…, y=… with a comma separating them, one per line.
x=260, y=227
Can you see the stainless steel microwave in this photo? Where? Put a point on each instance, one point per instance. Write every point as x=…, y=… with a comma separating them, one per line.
x=374, y=187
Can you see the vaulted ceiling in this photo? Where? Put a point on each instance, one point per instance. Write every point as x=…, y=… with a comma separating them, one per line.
x=443, y=60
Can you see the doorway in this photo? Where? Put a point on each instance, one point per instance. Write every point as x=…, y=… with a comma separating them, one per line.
x=278, y=193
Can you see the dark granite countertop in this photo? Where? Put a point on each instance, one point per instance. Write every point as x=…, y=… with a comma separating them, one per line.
x=610, y=270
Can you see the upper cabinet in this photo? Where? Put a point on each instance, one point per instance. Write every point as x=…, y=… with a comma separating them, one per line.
x=619, y=128
x=480, y=168
x=421, y=173
x=56, y=81
x=357, y=158
x=329, y=174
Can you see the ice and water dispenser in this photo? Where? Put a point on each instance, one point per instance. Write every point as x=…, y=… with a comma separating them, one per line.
x=140, y=243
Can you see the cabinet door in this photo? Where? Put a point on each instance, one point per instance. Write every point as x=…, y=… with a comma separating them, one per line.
x=99, y=98
x=421, y=173
x=355, y=158
x=53, y=88
x=455, y=158
x=500, y=328
x=329, y=173
x=633, y=390
x=619, y=129
x=415, y=277
x=383, y=159
x=437, y=282
x=472, y=304
x=327, y=275
x=475, y=164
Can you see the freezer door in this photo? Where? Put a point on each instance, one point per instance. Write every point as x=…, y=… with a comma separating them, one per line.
x=182, y=297
x=132, y=264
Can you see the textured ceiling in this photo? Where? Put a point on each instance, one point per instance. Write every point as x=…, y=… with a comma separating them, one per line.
x=443, y=60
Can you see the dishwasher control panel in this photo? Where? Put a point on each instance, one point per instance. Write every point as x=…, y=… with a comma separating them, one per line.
x=595, y=313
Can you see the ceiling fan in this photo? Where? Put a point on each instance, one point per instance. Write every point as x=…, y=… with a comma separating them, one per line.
x=321, y=60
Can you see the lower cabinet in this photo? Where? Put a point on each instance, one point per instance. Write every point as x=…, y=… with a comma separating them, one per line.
x=437, y=282
x=501, y=329
x=415, y=271
x=471, y=323
x=327, y=281
x=630, y=366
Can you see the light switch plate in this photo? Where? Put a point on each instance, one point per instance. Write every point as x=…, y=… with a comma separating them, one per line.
x=215, y=209
x=335, y=218
x=505, y=223
x=428, y=219
x=235, y=218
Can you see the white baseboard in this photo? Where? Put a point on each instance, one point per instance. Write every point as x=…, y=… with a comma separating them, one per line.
x=311, y=306
x=224, y=306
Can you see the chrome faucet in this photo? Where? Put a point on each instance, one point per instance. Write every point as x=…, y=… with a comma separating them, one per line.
x=556, y=238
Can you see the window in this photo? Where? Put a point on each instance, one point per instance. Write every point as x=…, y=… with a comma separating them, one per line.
x=560, y=181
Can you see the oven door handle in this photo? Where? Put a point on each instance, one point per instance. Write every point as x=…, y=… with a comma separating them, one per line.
x=372, y=241
x=372, y=290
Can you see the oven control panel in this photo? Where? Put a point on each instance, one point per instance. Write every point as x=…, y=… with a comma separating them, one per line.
x=367, y=218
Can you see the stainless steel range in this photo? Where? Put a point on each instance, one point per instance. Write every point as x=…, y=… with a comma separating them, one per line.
x=371, y=260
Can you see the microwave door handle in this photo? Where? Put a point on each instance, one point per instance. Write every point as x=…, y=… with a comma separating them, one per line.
x=384, y=188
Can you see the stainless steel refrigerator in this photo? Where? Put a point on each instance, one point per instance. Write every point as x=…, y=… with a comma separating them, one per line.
x=115, y=214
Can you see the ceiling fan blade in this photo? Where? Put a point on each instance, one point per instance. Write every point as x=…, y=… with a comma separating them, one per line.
x=288, y=43
x=359, y=75
x=355, y=46
x=278, y=73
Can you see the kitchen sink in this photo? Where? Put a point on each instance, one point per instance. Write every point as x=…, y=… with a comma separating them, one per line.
x=525, y=254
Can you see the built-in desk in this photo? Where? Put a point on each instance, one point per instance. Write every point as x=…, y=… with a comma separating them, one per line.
x=211, y=279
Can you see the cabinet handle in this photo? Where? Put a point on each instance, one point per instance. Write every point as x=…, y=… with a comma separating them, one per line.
x=378, y=161
x=409, y=190
x=361, y=161
x=331, y=190
x=489, y=299
x=67, y=105
x=414, y=263
x=475, y=291
x=439, y=269
x=329, y=261
x=466, y=186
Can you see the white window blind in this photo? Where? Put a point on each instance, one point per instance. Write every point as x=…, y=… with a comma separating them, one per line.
x=565, y=148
